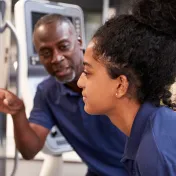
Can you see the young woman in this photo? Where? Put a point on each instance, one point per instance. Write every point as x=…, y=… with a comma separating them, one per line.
x=129, y=67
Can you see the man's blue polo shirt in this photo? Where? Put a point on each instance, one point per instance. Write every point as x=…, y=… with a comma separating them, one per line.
x=151, y=148
x=97, y=141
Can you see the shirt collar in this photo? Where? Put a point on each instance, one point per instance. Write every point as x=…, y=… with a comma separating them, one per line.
x=138, y=128
x=63, y=90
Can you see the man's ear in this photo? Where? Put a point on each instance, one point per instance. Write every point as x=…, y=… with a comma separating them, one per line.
x=122, y=86
x=80, y=42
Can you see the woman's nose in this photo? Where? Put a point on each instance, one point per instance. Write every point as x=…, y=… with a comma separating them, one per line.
x=80, y=82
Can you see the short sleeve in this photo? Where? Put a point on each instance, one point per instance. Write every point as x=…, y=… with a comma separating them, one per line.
x=41, y=113
x=164, y=126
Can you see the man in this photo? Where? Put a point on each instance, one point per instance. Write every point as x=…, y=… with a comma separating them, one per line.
x=58, y=101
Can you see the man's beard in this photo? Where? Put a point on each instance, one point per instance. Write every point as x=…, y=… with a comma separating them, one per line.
x=69, y=79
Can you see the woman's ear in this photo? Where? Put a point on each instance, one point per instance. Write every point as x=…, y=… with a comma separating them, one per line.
x=122, y=86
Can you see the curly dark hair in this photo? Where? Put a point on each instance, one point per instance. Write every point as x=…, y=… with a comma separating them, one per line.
x=141, y=46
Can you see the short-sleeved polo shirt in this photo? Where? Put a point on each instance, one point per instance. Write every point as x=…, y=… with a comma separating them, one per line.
x=151, y=148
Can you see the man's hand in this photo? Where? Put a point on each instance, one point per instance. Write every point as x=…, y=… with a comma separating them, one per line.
x=10, y=103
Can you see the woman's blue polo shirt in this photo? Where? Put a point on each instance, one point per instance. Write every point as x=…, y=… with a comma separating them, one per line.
x=151, y=148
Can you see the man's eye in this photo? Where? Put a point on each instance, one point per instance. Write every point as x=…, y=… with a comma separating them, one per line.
x=45, y=54
x=64, y=47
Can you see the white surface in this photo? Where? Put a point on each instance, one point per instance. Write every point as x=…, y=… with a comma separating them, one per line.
x=33, y=168
x=52, y=166
x=69, y=156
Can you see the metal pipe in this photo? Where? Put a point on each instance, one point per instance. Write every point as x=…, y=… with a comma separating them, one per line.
x=105, y=11
x=13, y=30
x=3, y=27
x=2, y=116
x=9, y=25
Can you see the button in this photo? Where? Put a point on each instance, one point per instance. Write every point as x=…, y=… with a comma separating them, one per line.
x=54, y=134
x=34, y=60
x=77, y=21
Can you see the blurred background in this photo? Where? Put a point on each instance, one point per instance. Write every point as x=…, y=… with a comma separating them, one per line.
x=95, y=13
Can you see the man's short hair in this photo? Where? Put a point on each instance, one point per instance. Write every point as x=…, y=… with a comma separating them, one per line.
x=50, y=18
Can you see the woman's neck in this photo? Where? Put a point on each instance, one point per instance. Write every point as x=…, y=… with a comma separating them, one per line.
x=124, y=114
